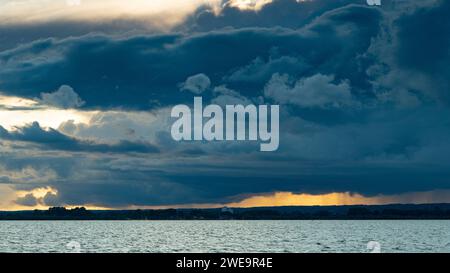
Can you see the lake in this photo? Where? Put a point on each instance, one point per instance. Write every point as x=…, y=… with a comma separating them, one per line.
x=225, y=236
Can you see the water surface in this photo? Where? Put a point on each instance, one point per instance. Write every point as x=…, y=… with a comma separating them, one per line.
x=224, y=236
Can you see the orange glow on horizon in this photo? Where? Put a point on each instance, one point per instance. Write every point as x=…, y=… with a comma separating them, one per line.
x=279, y=199
x=268, y=200
x=292, y=199
x=341, y=199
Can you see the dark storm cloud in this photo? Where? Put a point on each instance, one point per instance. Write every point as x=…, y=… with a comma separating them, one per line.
x=210, y=185
x=425, y=34
x=389, y=134
x=138, y=71
x=391, y=152
x=423, y=47
x=122, y=193
x=13, y=35
x=53, y=139
x=283, y=13
x=132, y=72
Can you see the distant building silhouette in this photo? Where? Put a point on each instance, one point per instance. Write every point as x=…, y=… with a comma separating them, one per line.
x=227, y=210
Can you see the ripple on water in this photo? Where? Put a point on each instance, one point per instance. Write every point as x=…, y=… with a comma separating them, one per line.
x=225, y=236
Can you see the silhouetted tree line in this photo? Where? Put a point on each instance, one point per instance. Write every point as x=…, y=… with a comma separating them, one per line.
x=276, y=213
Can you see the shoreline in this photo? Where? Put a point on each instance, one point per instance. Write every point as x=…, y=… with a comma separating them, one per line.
x=354, y=212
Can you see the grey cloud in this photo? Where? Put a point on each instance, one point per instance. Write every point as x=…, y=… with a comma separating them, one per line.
x=28, y=200
x=315, y=91
x=13, y=35
x=65, y=97
x=411, y=56
x=260, y=70
x=27, y=174
x=284, y=13
x=49, y=199
x=196, y=84
x=53, y=139
x=225, y=96
x=134, y=71
x=392, y=151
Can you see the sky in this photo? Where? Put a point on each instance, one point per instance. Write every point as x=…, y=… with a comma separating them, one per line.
x=86, y=90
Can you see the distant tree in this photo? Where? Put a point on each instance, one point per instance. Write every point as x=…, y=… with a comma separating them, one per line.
x=360, y=212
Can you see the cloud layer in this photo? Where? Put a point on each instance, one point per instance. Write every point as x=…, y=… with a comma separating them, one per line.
x=363, y=93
